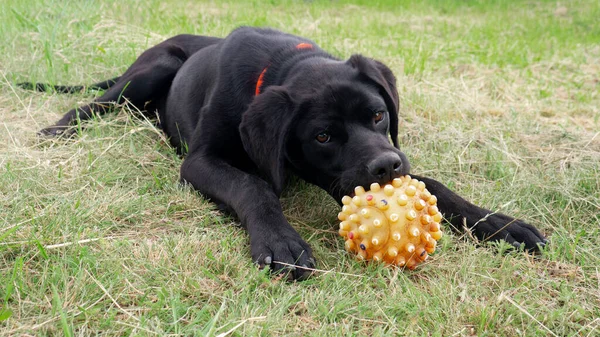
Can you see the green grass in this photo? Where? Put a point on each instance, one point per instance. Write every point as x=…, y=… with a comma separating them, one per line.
x=499, y=101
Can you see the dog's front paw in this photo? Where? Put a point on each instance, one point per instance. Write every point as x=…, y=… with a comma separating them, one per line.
x=495, y=227
x=284, y=252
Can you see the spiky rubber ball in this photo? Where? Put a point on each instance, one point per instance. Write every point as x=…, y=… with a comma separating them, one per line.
x=398, y=224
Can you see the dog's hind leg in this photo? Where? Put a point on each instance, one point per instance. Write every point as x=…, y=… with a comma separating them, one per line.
x=148, y=79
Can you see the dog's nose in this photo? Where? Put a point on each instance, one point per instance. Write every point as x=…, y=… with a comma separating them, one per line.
x=385, y=167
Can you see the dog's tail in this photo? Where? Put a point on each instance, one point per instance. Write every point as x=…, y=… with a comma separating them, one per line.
x=68, y=89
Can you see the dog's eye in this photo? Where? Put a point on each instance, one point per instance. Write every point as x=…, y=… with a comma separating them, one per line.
x=323, y=137
x=378, y=116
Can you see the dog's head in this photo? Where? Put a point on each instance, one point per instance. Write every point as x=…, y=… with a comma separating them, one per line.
x=331, y=124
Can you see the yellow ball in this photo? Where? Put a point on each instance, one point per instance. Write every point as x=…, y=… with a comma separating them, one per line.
x=398, y=224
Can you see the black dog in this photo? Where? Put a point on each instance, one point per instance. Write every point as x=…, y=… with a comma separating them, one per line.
x=248, y=107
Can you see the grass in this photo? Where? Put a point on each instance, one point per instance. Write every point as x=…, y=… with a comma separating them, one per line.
x=499, y=100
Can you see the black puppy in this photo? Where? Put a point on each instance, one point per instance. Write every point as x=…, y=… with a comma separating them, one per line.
x=258, y=102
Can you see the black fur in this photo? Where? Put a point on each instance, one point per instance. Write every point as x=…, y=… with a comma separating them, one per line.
x=239, y=145
x=69, y=89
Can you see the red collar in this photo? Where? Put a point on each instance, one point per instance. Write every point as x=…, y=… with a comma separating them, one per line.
x=261, y=77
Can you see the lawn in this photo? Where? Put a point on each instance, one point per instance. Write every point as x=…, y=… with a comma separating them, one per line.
x=499, y=99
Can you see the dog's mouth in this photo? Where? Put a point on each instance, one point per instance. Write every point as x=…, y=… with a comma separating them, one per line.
x=349, y=183
x=361, y=177
x=351, y=192
x=346, y=186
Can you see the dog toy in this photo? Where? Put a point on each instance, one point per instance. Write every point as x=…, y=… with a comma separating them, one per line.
x=398, y=223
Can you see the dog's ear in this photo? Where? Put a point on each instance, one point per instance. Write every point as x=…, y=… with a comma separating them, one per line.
x=264, y=132
x=378, y=73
